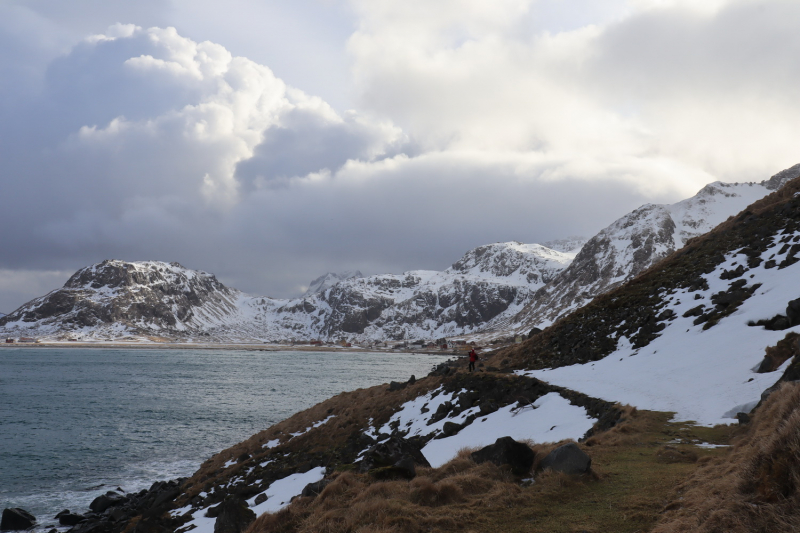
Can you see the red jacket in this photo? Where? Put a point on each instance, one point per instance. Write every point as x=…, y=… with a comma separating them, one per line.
x=472, y=356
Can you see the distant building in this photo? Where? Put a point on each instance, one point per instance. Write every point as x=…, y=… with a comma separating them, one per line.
x=27, y=339
x=9, y=341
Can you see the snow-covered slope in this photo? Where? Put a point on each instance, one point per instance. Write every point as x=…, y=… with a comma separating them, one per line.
x=685, y=336
x=637, y=241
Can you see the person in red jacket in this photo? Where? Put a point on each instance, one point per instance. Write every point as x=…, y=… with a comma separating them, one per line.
x=472, y=358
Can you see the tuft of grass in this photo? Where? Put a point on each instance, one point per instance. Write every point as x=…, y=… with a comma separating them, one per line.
x=754, y=488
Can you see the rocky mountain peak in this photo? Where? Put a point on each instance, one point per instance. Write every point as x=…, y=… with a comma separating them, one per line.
x=779, y=180
x=113, y=273
x=520, y=264
x=329, y=279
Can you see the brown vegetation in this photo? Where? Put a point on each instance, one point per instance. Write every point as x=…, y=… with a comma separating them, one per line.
x=626, y=491
x=755, y=488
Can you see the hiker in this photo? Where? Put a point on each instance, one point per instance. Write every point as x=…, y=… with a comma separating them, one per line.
x=472, y=358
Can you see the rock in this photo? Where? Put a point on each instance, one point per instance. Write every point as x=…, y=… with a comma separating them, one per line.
x=16, y=519
x=488, y=407
x=244, y=457
x=412, y=379
x=793, y=312
x=234, y=516
x=118, y=513
x=313, y=489
x=467, y=399
x=261, y=498
x=166, y=495
x=390, y=452
x=403, y=469
x=109, y=499
x=406, y=467
x=66, y=518
x=450, y=428
x=395, y=386
x=507, y=451
x=743, y=418
x=568, y=458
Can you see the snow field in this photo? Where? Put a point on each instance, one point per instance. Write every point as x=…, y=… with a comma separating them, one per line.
x=702, y=376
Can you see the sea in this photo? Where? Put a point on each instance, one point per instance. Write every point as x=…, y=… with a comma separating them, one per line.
x=77, y=422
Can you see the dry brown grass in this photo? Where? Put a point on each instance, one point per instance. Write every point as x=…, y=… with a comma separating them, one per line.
x=755, y=488
x=626, y=492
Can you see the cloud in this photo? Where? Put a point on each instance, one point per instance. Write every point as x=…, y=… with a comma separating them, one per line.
x=664, y=79
x=474, y=124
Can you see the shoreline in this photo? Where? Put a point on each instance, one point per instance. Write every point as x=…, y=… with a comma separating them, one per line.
x=220, y=346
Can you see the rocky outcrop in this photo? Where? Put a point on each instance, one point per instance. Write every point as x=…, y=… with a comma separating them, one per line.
x=569, y=459
x=506, y=451
x=16, y=519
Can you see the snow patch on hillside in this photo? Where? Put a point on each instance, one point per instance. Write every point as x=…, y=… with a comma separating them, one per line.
x=701, y=375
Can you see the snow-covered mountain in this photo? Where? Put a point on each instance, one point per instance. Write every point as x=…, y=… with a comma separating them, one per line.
x=492, y=291
x=117, y=298
x=637, y=241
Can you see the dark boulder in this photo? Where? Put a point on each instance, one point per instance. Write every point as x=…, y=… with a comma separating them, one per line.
x=16, y=519
x=793, y=312
x=234, y=516
x=390, y=452
x=109, y=499
x=66, y=518
x=507, y=451
x=395, y=386
x=313, y=489
x=568, y=458
x=449, y=429
x=488, y=407
x=402, y=469
x=261, y=498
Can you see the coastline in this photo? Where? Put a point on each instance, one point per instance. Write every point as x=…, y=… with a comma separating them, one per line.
x=220, y=346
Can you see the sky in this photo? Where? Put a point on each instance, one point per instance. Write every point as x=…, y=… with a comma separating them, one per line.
x=271, y=142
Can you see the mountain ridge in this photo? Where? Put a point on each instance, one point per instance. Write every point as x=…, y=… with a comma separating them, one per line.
x=492, y=291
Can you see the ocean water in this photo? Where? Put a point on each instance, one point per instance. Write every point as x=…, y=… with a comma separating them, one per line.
x=76, y=422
